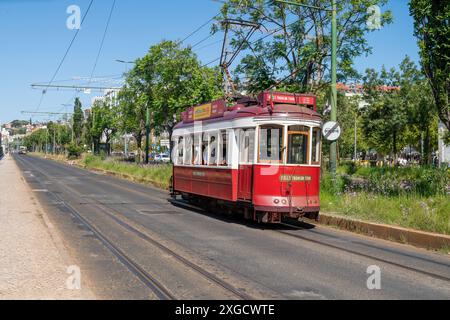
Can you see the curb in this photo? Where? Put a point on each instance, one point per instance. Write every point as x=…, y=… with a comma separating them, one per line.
x=421, y=239
x=426, y=240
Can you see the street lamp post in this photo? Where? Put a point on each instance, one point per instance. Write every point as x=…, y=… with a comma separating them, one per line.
x=333, y=150
x=147, y=137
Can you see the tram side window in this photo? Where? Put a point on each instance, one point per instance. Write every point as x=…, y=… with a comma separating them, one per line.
x=271, y=144
x=213, y=150
x=224, y=148
x=316, y=145
x=205, y=155
x=247, y=146
x=298, y=148
x=197, y=146
x=180, y=151
x=189, y=150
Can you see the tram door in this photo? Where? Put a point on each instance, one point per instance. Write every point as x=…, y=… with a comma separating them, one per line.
x=246, y=161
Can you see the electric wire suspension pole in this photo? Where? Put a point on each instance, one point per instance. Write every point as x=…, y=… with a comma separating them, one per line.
x=333, y=93
x=147, y=137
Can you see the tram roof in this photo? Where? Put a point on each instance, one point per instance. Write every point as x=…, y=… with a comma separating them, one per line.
x=284, y=106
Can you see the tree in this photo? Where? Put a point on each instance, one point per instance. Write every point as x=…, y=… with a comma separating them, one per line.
x=78, y=119
x=417, y=98
x=104, y=121
x=301, y=42
x=167, y=81
x=385, y=118
x=433, y=32
x=175, y=81
x=400, y=110
x=133, y=103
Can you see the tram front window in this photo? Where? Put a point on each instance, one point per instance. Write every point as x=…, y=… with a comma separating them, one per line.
x=298, y=145
x=271, y=144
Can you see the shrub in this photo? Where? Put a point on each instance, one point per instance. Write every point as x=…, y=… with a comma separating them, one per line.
x=74, y=151
x=421, y=181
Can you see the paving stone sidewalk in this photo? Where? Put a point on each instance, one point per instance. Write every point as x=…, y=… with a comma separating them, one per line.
x=33, y=260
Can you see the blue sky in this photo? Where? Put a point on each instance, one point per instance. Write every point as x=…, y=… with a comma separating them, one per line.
x=34, y=37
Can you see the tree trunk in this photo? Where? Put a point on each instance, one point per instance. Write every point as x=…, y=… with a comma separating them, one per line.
x=394, y=147
x=427, y=147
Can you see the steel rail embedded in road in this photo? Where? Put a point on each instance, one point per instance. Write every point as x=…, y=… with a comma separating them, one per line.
x=154, y=285
x=105, y=209
x=286, y=233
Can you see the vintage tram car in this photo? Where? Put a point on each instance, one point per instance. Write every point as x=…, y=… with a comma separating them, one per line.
x=261, y=157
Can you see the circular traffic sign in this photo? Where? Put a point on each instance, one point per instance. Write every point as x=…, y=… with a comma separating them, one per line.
x=332, y=131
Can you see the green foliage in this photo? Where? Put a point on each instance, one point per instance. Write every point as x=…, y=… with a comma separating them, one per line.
x=400, y=110
x=158, y=176
x=74, y=151
x=426, y=214
x=391, y=182
x=433, y=31
x=167, y=80
x=19, y=123
x=78, y=118
x=302, y=44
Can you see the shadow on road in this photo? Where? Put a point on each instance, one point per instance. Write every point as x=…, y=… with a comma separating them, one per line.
x=288, y=224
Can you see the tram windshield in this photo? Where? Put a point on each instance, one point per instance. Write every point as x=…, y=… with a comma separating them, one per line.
x=298, y=145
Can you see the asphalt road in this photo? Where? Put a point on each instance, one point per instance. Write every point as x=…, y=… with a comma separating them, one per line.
x=133, y=244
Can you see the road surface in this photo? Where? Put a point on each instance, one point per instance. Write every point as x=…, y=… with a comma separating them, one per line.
x=131, y=243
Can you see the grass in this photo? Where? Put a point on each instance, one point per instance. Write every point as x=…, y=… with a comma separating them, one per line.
x=430, y=214
x=158, y=176
x=405, y=209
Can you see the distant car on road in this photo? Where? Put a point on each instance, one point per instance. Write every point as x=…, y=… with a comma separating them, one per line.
x=23, y=150
x=162, y=158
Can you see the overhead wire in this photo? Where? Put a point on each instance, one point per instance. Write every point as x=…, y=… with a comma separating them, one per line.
x=103, y=41
x=65, y=55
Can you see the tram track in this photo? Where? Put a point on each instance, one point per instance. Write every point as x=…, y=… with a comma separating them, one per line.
x=329, y=245
x=144, y=276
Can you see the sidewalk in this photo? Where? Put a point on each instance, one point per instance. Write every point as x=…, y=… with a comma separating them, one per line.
x=33, y=261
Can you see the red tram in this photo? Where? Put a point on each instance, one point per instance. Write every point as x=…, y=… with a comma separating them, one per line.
x=260, y=158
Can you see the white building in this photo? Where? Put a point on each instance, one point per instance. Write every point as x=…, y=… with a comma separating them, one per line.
x=4, y=139
x=444, y=150
x=110, y=94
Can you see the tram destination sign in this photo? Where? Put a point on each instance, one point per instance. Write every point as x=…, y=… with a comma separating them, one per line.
x=332, y=131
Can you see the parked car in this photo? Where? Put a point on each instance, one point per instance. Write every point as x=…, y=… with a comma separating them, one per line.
x=162, y=158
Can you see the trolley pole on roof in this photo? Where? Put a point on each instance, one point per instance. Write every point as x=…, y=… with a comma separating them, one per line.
x=333, y=91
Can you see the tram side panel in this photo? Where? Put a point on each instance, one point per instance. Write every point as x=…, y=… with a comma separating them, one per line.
x=207, y=182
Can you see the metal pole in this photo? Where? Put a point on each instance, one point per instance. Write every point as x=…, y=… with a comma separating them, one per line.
x=46, y=140
x=334, y=40
x=54, y=141
x=356, y=138
x=333, y=150
x=147, y=137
